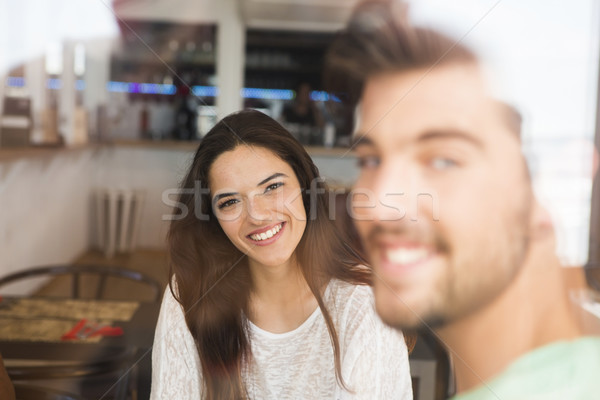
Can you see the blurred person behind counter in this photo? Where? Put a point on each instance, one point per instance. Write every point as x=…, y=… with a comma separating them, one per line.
x=302, y=116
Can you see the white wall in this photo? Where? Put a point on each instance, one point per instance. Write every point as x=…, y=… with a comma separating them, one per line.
x=336, y=169
x=150, y=170
x=46, y=201
x=44, y=209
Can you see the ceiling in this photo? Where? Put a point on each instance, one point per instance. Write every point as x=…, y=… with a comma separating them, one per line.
x=293, y=15
x=312, y=15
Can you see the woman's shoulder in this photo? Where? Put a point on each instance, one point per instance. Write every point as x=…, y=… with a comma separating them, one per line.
x=349, y=300
x=353, y=310
x=349, y=292
x=170, y=308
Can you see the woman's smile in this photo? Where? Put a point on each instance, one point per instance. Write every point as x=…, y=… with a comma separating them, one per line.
x=268, y=235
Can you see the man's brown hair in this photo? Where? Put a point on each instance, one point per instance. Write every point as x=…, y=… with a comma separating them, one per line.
x=380, y=39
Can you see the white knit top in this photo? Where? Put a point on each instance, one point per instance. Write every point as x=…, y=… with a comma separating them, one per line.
x=298, y=364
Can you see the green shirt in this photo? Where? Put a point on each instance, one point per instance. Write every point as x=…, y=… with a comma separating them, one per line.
x=566, y=370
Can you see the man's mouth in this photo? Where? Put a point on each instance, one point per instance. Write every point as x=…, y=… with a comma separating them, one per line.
x=407, y=255
x=259, y=236
x=401, y=258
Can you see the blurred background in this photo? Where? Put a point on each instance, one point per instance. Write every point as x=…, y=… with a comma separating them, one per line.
x=103, y=103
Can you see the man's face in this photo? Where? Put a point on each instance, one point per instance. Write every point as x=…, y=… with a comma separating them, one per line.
x=443, y=201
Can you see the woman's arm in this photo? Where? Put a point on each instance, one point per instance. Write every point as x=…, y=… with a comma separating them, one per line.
x=176, y=372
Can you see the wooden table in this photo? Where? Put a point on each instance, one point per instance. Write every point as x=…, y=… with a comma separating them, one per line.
x=138, y=332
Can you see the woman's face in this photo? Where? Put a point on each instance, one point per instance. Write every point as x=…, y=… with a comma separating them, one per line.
x=257, y=200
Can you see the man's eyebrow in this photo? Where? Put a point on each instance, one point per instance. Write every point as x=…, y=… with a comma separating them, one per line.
x=431, y=135
x=442, y=134
x=361, y=139
x=275, y=175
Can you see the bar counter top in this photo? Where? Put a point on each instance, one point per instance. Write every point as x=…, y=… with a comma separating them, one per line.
x=17, y=153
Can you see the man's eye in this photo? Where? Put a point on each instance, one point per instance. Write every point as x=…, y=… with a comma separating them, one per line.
x=368, y=162
x=227, y=203
x=273, y=186
x=441, y=163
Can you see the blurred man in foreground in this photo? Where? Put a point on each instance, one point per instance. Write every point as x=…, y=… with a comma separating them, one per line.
x=446, y=211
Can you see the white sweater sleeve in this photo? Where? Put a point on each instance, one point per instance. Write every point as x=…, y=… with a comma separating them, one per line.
x=176, y=372
x=376, y=363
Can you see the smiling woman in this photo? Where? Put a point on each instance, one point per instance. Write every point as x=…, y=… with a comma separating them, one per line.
x=267, y=299
x=263, y=218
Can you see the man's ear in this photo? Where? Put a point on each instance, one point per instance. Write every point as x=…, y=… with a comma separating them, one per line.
x=541, y=225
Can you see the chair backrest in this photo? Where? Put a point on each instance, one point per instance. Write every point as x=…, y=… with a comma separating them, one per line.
x=592, y=274
x=430, y=369
x=101, y=371
x=25, y=391
x=99, y=361
x=76, y=271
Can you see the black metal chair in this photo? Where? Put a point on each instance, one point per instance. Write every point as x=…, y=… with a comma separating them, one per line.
x=111, y=372
x=436, y=379
x=592, y=274
x=114, y=371
x=77, y=271
x=29, y=392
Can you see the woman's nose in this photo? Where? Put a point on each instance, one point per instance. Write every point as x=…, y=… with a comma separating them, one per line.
x=259, y=210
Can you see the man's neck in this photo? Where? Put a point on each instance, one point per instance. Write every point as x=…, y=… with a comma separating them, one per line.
x=533, y=311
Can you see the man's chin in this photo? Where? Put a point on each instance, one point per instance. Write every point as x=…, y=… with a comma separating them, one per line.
x=397, y=315
x=406, y=318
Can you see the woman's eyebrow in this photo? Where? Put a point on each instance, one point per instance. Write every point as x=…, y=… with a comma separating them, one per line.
x=275, y=175
x=222, y=195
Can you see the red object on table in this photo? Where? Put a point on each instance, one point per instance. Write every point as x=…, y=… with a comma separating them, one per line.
x=83, y=330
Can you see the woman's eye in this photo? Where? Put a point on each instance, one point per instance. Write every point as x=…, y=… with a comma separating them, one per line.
x=368, y=162
x=273, y=186
x=227, y=203
x=442, y=163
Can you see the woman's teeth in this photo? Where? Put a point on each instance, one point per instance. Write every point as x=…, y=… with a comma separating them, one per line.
x=266, y=235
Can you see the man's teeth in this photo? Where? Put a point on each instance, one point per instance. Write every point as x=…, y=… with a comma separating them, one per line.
x=266, y=235
x=407, y=256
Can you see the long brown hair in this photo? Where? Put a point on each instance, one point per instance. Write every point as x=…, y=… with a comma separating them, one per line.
x=211, y=276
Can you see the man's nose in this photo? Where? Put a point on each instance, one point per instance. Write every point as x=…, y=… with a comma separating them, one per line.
x=389, y=196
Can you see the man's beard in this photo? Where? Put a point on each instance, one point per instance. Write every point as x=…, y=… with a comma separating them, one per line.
x=462, y=285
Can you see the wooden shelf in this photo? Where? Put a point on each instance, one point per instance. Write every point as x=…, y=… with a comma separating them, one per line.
x=10, y=154
x=193, y=145
x=299, y=69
